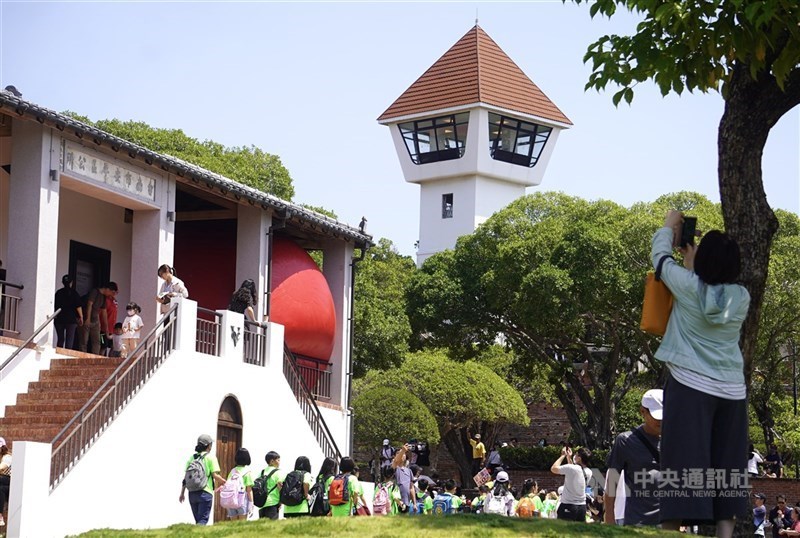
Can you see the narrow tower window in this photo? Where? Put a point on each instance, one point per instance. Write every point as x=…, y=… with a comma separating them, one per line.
x=436, y=139
x=447, y=206
x=515, y=141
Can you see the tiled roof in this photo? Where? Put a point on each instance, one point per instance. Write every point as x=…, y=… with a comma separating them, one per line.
x=474, y=70
x=20, y=108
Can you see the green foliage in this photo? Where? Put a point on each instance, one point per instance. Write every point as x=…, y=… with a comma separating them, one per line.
x=535, y=458
x=394, y=414
x=458, y=394
x=321, y=210
x=531, y=381
x=628, y=415
x=246, y=164
x=382, y=328
x=686, y=44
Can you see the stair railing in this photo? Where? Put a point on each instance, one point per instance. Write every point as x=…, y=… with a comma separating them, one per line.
x=309, y=406
x=80, y=433
x=25, y=344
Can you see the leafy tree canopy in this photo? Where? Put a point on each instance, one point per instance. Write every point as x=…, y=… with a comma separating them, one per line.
x=382, y=328
x=394, y=414
x=246, y=164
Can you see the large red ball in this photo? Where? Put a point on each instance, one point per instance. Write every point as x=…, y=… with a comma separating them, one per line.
x=301, y=301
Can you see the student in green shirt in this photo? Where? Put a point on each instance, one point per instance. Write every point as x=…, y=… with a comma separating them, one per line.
x=480, y=500
x=201, y=500
x=424, y=499
x=303, y=466
x=272, y=507
x=346, y=467
x=242, y=461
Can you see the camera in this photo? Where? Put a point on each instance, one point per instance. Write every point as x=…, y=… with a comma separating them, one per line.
x=166, y=299
x=688, y=230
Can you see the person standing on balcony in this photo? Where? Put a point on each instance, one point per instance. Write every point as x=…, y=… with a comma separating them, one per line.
x=171, y=287
x=243, y=300
x=71, y=316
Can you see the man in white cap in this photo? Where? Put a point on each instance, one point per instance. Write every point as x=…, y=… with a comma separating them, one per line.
x=387, y=454
x=478, y=452
x=636, y=453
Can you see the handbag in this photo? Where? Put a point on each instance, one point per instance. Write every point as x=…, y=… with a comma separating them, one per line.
x=657, y=303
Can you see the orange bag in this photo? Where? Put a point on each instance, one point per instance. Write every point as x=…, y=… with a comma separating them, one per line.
x=657, y=304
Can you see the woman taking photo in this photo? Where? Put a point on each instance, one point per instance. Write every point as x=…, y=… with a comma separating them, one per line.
x=705, y=410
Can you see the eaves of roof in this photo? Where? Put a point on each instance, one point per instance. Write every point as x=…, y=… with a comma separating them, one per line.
x=16, y=107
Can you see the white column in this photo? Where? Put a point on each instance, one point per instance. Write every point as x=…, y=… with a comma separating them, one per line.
x=33, y=224
x=186, y=329
x=337, y=257
x=252, y=227
x=30, y=491
x=152, y=244
x=275, y=348
x=231, y=341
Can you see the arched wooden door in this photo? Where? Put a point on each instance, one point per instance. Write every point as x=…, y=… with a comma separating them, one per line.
x=229, y=440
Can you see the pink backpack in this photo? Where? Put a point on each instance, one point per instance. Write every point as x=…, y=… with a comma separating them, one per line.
x=380, y=504
x=233, y=495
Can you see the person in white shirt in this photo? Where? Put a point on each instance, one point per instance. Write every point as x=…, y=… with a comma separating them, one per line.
x=576, y=475
x=132, y=327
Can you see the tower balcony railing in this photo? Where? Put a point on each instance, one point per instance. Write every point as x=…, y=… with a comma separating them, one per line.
x=208, y=331
x=9, y=308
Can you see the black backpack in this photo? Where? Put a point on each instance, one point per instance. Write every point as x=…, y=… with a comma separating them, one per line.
x=318, y=505
x=260, y=491
x=292, y=492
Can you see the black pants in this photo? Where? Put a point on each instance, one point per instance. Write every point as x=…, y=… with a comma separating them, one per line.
x=269, y=512
x=572, y=512
x=5, y=487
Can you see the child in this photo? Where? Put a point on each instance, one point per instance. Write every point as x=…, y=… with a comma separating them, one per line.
x=478, y=502
x=384, y=502
x=447, y=502
x=245, y=481
x=424, y=499
x=118, y=348
x=132, y=326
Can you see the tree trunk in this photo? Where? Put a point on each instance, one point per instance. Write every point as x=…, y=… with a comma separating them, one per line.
x=752, y=108
x=454, y=441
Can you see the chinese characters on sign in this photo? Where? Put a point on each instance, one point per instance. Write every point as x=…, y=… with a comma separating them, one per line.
x=110, y=173
x=693, y=483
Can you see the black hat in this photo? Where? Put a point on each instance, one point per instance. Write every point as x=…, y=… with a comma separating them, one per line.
x=66, y=279
x=760, y=496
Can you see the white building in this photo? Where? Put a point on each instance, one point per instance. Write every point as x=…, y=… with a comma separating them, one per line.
x=473, y=132
x=76, y=200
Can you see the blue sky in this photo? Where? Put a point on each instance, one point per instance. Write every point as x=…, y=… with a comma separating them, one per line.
x=306, y=81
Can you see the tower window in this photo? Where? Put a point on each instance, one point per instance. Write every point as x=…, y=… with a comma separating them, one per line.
x=447, y=206
x=436, y=139
x=515, y=141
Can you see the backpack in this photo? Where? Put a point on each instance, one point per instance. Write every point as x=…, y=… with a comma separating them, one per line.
x=526, y=507
x=338, y=494
x=260, y=491
x=443, y=504
x=318, y=505
x=232, y=495
x=380, y=504
x=195, y=478
x=495, y=504
x=292, y=491
x=420, y=508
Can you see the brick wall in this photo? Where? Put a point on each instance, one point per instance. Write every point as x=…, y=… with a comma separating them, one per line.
x=775, y=486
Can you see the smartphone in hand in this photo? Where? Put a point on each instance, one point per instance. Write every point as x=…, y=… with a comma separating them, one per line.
x=688, y=231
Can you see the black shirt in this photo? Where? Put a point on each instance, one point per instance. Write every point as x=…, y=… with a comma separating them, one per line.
x=68, y=300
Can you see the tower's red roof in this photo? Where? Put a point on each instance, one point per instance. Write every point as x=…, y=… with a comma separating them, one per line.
x=475, y=70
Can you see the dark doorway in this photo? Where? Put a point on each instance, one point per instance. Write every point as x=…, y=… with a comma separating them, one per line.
x=90, y=265
x=229, y=440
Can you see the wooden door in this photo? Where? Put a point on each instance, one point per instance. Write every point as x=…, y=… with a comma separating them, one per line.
x=229, y=440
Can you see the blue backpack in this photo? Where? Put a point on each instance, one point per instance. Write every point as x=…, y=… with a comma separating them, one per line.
x=443, y=504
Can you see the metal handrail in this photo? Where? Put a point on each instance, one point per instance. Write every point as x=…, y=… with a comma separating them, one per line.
x=24, y=344
x=11, y=285
x=309, y=406
x=318, y=381
x=161, y=339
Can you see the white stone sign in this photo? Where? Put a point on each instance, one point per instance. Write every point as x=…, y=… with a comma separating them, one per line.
x=116, y=175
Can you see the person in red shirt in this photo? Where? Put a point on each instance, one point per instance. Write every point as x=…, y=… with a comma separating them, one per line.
x=111, y=317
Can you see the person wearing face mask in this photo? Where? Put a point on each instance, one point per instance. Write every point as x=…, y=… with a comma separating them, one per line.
x=132, y=327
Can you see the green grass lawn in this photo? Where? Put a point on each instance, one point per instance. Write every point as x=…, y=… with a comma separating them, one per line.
x=477, y=526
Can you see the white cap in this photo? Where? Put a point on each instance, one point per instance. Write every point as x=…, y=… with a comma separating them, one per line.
x=502, y=476
x=653, y=400
x=385, y=442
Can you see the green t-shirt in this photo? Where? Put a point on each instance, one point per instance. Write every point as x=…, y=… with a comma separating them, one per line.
x=427, y=503
x=244, y=472
x=273, y=486
x=346, y=509
x=212, y=466
x=301, y=508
